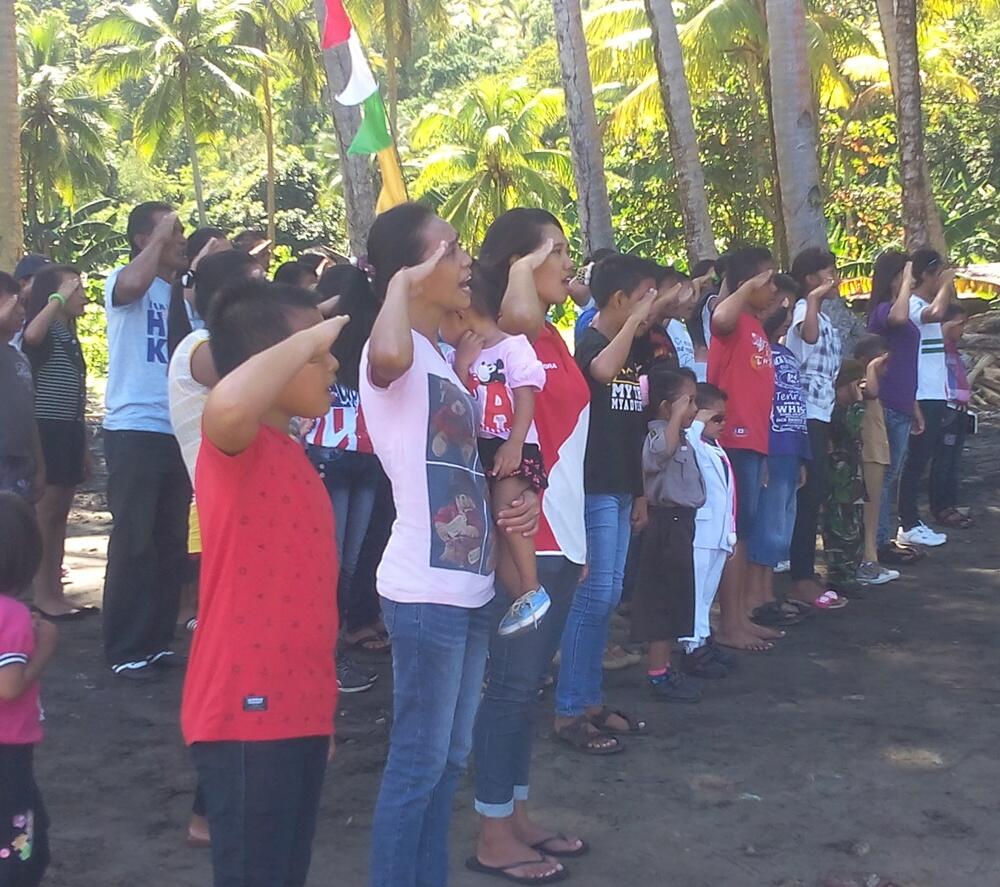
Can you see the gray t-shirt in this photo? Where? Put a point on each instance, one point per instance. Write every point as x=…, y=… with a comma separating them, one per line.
x=17, y=406
x=136, y=396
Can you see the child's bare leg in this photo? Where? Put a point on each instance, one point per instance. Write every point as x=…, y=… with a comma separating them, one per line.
x=516, y=549
x=658, y=657
x=874, y=475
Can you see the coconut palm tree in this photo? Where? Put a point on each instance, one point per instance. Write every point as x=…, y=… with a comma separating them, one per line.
x=584, y=134
x=10, y=173
x=64, y=127
x=285, y=33
x=490, y=152
x=193, y=71
x=358, y=179
x=680, y=131
x=794, y=126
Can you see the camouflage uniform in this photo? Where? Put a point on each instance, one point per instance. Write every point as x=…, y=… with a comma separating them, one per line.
x=843, y=529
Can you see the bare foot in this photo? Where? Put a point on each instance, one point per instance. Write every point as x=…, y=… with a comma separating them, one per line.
x=533, y=835
x=806, y=590
x=598, y=739
x=198, y=834
x=763, y=632
x=743, y=640
x=504, y=851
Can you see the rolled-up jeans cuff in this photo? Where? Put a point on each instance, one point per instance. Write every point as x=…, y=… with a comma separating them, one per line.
x=520, y=793
x=496, y=811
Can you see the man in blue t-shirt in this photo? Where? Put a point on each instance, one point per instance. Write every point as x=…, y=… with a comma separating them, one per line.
x=148, y=488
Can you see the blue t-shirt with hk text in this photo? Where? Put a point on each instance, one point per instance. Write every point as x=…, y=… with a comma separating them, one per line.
x=789, y=433
x=136, y=396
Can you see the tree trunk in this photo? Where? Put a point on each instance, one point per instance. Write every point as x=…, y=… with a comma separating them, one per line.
x=925, y=228
x=391, y=63
x=199, y=196
x=11, y=232
x=272, y=199
x=584, y=136
x=358, y=177
x=795, y=148
x=698, y=236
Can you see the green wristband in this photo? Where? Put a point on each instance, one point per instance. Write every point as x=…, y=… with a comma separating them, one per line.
x=59, y=297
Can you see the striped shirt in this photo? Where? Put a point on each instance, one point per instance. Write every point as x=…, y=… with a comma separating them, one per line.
x=60, y=375
x=932, y=374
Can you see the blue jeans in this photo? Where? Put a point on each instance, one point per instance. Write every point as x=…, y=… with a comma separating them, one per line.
x=608, y=519
x=505, y=725
x=897, y=429
x=771, y=536
x=748, y=472
x=352, y=480
x=261, y=800
x=438, y=660
x=945, y=473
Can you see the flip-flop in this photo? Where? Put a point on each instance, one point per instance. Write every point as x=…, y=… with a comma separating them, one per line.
x=894, y=553
x=829, y=600
x=504, y=871
x=801, y=606
x=542, y=847
x=373, y=641
x=72, y=616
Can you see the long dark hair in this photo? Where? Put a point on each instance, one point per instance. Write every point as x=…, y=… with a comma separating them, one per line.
x=214, y=272
x=43, y=285
x=887, y=266
x=395, y=242
x=357, y=301
x=178, y=322
x=516, y=233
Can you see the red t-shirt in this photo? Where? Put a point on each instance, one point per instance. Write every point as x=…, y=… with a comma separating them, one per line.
x=562, y=415
x=740, y=364
x=262, y=661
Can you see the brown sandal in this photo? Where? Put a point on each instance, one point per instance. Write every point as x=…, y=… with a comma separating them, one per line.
x=636, y=727
x=580, y=734
x=952, y=517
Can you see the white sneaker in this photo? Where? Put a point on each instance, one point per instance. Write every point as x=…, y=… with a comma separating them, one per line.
x=921, y=534
x=783, y=567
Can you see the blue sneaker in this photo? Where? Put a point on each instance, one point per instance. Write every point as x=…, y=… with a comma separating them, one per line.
x=525, y=613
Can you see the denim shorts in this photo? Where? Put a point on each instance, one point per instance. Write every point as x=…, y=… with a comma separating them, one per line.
x=748, y=470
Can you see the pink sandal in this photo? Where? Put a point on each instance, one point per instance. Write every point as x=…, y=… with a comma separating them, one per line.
x=829, y=600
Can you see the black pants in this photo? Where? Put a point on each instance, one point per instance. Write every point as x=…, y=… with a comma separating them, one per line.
x=922, y=450
x=24, y=824
x=945, y=469
x=261, y=800
x=810, y=498
x=149, y=495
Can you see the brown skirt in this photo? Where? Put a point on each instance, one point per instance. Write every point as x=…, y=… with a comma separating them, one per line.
x=663, y=607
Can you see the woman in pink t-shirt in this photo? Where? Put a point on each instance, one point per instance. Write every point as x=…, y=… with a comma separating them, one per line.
x=436, y=577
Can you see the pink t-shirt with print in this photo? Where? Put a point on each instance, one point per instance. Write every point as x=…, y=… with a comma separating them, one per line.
x=493, y=377
x=21, y=718
x=423, y=429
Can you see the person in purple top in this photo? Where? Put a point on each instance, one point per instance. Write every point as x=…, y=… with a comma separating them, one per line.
x=889, y=316
x=788, y=451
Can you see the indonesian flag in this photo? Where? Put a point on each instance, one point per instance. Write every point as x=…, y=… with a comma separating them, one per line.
x=373, y=136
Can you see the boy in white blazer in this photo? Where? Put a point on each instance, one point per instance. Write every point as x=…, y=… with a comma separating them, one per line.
x=715, y=528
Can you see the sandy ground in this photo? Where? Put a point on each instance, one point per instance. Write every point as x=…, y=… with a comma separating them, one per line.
x=862, y=752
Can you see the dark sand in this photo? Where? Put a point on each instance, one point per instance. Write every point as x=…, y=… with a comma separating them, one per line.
x=862, y=751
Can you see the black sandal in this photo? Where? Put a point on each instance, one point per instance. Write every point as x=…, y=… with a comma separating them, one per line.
x=580, y=735
x=772, y=615
x=600, y=720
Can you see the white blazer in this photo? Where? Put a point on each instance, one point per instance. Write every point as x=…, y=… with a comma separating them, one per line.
x=715, y=521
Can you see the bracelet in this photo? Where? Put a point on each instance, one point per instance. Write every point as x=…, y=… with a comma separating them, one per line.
x=59, y=297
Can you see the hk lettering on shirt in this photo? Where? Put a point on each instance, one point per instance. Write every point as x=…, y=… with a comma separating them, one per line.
x=156, y=334
x=626, y=396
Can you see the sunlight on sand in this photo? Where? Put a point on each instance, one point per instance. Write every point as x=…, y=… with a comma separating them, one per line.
x=908, y=758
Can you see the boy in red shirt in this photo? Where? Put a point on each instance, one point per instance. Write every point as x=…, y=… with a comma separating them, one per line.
x=261, y=688
x=739, y=363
